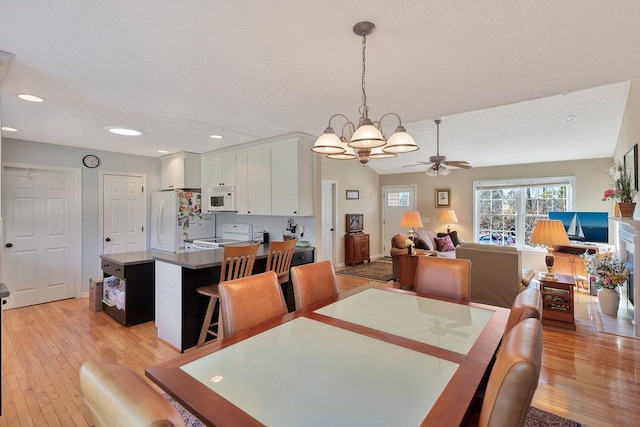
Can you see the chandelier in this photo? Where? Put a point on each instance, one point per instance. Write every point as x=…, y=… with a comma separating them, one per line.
x=367, y=141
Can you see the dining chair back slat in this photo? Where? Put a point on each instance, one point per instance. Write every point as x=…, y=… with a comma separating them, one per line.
x=279, y=258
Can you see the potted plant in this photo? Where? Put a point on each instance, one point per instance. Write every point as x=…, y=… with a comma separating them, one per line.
x=607, y=273
x=624, y=191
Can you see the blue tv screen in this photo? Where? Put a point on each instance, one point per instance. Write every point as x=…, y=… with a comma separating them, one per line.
x=584, y=226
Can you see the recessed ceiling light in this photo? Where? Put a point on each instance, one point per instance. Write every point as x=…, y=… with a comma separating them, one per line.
x=30, y=98
x=568, y=118
x=8, y=129
x=163, y=152
x=125, y=131
x=217, y=136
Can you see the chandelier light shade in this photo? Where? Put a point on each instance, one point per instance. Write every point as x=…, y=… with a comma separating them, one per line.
x=449, y=216
x=367, y=141
x=549, y=232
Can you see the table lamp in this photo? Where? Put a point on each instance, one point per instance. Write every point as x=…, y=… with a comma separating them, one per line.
x=411, y=220
x=449, y=216
x=549, y=232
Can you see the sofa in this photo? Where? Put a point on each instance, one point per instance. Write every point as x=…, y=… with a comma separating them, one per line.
x=425, y=243
x=496, y=273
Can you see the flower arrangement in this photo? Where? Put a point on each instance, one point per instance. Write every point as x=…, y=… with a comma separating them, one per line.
x=410, y=244
x=609, y=272
x=624, y=190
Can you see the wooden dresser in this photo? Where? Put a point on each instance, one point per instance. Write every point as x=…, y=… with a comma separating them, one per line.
x=356, y=248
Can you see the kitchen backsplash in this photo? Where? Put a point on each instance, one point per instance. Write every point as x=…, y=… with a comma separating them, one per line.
x=272, y=224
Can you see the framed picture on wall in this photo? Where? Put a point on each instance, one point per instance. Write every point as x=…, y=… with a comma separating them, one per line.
x=442, y=198
x=353, y=194
x=631, y=165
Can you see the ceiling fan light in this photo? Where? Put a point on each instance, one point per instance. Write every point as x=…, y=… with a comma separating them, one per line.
x=443, y=171
x=432, y=172
x=400, y=142
x=328, y=143
x=347, y=154
x=381, y=153
x=367, y=136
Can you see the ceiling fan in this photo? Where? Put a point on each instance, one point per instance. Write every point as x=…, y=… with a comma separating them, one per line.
x=438, y=164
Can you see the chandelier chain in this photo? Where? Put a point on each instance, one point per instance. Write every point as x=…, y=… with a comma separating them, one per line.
x=364, y=69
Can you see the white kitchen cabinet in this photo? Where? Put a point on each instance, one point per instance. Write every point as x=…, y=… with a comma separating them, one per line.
x=169, y=302
x=242, y=182
x=292, y=177
x=180, y=170
x=258, y=182
x=218, y=170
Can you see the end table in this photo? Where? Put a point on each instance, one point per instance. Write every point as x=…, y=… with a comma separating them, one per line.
x=557, y=301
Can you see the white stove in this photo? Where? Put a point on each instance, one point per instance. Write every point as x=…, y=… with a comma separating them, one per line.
x=231, y=233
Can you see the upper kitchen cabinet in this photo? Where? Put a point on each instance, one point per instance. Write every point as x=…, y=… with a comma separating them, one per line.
x=292, y=177
x=253, y=189
x=180, y=170
x=218, y=169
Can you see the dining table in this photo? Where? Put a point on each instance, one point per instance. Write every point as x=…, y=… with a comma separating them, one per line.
x=372, y=356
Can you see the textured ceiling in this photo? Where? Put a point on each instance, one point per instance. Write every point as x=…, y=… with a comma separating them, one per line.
x=501, y=74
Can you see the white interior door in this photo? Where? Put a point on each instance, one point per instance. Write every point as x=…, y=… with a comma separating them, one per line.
x=123, y=214
x=41, y=256
x=395, y=201
x=328, y=220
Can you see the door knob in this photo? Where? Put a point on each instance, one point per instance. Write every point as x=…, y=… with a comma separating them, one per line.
x=108, y=239
x=8, y=245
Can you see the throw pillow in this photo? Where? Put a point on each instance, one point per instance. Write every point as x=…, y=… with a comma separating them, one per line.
x=445, y=244
x=423, y=235
x=454, y=237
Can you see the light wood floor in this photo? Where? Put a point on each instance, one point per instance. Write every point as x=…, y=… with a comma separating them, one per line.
x=591, y=377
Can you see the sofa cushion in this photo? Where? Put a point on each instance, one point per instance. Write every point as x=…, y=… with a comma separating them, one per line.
x=454, y=237
x=444, y=244
x=486, y=247
x=423, y=235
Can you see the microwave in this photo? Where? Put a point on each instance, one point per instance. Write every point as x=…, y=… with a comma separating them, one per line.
x=222, y=198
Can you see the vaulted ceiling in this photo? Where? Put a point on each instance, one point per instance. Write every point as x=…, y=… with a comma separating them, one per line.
x=504, y=76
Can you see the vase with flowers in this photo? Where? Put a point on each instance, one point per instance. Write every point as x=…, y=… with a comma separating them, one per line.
x=411, y=245
x=624, y=191
x=608, y=274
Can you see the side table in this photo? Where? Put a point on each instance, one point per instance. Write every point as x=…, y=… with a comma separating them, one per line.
x=407, y=273
x=557, y=301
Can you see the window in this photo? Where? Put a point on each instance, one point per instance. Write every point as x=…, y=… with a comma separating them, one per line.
x=398, y=199
x=506, y=211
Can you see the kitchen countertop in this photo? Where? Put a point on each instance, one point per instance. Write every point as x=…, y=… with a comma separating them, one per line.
x=191, y=260
x=4, y=291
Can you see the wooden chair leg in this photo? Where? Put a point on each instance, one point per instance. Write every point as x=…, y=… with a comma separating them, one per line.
x=206, y=323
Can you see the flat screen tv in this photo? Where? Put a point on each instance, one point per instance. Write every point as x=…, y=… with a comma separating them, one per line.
x=354, y=223
x=584, y=226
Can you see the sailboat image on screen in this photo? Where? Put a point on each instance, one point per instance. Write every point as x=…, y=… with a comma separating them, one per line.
x=575, y=231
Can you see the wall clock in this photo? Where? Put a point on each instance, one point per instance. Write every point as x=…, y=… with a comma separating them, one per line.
x=91, y=161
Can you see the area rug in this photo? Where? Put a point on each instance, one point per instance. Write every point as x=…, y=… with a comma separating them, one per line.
x=380, y=270
x=535, y=418
x=621, y=325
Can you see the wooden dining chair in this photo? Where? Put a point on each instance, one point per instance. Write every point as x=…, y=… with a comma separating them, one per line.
x=526, y=305
x=279, y=258
x=444, y=277
x=237, y=262
x=250, y=301
x=117, y=396
x=313, y=282
x=514, y=377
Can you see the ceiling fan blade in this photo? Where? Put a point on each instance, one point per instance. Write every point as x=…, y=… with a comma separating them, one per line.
x=417, y=164
x=459, y=164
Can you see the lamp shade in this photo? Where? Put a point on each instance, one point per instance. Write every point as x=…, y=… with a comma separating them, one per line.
x=328, y=143
x=400, y=142
x=367, y=136
x=411, y=219
x=549, y=232
x=449, y=216
x=347, y=154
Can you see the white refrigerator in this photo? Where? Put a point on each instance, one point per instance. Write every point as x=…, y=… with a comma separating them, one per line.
x=176, y=215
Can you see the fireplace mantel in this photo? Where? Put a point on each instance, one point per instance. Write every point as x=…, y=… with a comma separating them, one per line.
x=628, y=249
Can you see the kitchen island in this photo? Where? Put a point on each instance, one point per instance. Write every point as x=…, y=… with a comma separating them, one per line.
x=180, y=309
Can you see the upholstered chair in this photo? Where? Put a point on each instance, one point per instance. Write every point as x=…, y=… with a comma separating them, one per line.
x=528, y=304
x=313, y=282
x=514, y=377
x=117, y=396
x=248, y=302
x=444, y=277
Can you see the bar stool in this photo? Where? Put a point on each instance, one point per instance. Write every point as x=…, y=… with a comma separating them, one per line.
x=237, y=262
x=279, y=259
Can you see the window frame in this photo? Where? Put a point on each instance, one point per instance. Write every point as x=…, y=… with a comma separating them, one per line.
x=479, y=185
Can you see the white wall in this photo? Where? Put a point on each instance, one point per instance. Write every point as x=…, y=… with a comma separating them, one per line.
x=17, y=151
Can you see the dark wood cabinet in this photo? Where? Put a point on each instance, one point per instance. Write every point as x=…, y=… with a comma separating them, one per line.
x=140, y=291
x=356, y=248
x=557, y=300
